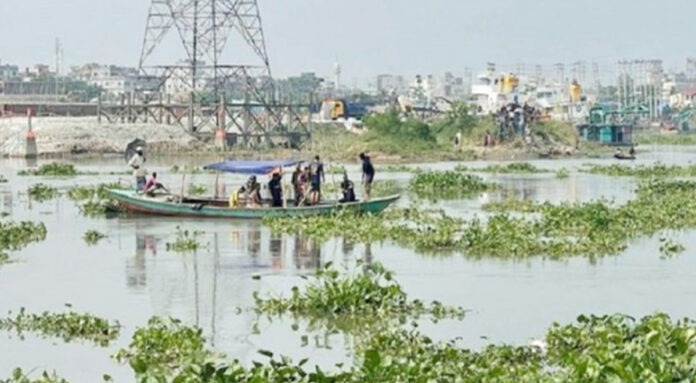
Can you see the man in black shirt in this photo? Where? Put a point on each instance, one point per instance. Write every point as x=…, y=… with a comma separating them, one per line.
x=276, y=190
x=368, y=175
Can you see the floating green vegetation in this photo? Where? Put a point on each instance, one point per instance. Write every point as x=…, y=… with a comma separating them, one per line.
x=397, y=168
x=16, y=235
x=666, y=139
x=52, y=169
x=186, y=169
x=669, y=248
x=644, y=171
x=41, y=192
x=18, y=376
x=165, y=348
x=195, y=190
x=94, y=201
x=3, y=180
x=511, y=168
x=100, y=191
x=447, y=185
x=514, y=168
x=511, y=205
x=98, y=208
x=562, y=173
x=370, y=292
x=596, y=349
x=92, y=237
x=569, y=229
x=68, y=326
x=186, y=241
x=618, y=348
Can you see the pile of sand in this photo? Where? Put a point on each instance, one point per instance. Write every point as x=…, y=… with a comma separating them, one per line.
x=63, y=135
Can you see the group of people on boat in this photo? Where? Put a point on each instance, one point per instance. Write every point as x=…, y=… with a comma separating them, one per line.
x=306, y=183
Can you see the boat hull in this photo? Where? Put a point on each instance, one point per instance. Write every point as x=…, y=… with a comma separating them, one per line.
x=130, y=201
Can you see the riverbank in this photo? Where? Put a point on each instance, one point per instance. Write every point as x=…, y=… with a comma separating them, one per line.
x=84, y=137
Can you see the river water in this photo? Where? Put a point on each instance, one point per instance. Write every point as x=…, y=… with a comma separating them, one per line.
x=130, y=276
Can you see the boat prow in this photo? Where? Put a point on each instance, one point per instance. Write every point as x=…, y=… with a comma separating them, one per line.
x=174, y=206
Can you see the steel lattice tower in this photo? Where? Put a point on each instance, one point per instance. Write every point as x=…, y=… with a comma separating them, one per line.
x=204, y=28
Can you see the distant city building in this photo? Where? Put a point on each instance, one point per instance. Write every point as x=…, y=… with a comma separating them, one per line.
x=387, y=83
x=114, y=80
x=179, y=83
x=8, y=72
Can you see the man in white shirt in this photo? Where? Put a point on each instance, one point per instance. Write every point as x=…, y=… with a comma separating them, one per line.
x=136, y=162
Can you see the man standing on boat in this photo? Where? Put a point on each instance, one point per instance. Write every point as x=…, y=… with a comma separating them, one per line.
x=276, y=190
x=368, y=175
x=136, y=163
x=297, y=184
x=316, y=178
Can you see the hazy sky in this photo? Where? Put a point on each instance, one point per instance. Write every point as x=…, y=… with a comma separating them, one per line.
x=375, y=36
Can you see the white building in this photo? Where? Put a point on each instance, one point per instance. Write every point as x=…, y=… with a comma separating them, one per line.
x=115, y=81
x=179, y=82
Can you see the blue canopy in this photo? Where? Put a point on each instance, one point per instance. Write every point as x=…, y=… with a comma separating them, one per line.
x=250, y=166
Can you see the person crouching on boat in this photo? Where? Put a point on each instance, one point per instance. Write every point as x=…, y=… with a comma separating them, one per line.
x=347, y=189
x=236, y=197
x=152, y=186
x=136, y=163
x=276, y=190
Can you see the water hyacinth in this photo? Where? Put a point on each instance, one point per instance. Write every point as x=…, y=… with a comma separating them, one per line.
x=164, y=348
x=68, y=326
x=100, y=191
x=16, y=235
x=18, y=376
x=595, y=349
x=591, y=229
x=196, y=190
x=186, y=241
x=371, y=291
x=41, y=192
x=92, y=237
x=52, y=169
x=514, y=168
x=642, y=171
x=447, y=185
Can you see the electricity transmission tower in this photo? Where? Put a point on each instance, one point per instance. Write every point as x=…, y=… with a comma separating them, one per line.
x=204, y=79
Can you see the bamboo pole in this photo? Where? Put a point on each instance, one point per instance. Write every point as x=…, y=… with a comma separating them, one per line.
x=183, y=183
x=217, y=184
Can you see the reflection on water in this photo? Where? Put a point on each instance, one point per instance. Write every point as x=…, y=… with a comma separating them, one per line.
x=136, y=274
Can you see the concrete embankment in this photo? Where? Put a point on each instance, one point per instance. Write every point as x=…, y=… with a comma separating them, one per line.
x=65, y=135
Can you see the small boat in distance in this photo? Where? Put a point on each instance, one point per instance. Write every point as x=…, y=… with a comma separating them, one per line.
x=181, y=206
x=620, y=155
x=624, y=156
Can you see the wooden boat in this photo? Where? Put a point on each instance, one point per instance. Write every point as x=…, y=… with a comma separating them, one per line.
x=624, y=157
x=168, y=205
x=178, y=206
